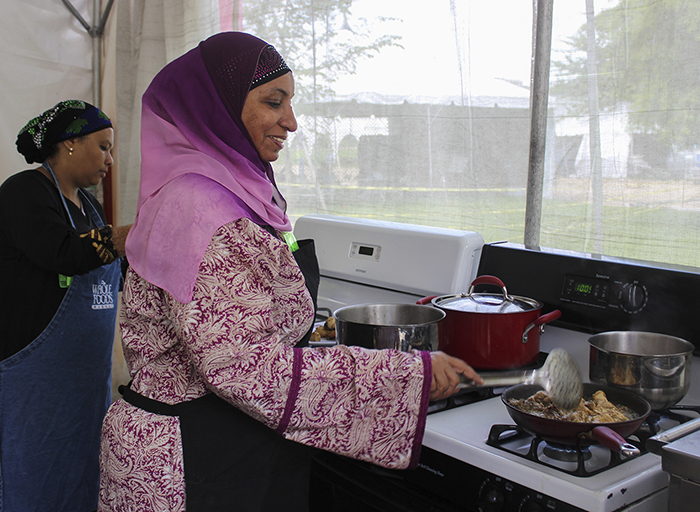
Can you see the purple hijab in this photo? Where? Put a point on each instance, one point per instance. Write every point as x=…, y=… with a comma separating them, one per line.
x=199, y=167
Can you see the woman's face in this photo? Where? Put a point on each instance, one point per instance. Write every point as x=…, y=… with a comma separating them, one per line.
x=267, y=115
x=91, y=158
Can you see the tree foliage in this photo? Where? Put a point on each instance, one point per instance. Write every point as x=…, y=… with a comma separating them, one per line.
x=648, y=55
x=310, y=35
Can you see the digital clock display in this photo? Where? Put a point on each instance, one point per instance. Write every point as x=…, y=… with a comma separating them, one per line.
x=583, y=288
x=586, y=290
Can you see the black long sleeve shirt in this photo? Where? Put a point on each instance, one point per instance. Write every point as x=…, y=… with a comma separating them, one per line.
x=37, y=243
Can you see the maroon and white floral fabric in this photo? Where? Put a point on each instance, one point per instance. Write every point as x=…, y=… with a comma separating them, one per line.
x=236, y=338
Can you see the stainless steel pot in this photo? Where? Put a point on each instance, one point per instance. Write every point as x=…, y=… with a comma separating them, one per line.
x=654, y=366
x=398, y=326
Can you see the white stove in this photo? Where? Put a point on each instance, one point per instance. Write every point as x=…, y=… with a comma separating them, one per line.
x=383, y=262
x=635, y=485
x=365, y=261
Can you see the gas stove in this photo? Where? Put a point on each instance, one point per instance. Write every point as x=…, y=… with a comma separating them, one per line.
x=514, y=482
x=462, y=467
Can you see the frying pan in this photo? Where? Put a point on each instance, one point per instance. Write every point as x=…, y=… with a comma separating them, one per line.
x=611, y=435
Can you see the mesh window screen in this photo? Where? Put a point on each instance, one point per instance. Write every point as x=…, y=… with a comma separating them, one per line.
x=420, y=112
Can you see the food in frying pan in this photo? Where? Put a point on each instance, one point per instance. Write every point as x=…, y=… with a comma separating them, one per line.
x=325, y=331
x=596, y=410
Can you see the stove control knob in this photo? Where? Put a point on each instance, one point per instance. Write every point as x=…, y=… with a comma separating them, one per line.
x=530, y=506
x=490, y=498
x=633, y=297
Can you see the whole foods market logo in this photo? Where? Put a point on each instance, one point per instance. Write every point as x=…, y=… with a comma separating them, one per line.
x=102, y=297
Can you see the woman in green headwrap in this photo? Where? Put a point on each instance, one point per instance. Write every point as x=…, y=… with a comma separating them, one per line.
x=60, y=270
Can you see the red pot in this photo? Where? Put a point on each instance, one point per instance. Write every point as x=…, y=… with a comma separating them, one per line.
x=491, y=332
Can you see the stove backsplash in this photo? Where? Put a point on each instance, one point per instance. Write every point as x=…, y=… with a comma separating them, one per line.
x=598, y=293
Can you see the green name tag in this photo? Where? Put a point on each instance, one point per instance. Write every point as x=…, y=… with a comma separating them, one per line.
x=64, y=281
x=290, y=240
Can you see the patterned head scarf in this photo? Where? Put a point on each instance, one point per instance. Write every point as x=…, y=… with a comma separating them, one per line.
x=65, y=120
x=270, y=66
x=199, y=168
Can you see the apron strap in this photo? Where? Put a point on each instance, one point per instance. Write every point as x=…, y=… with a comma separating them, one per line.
x=156, y=407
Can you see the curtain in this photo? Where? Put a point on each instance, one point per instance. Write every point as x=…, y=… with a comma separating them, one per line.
x=420, y=113
x=149, y=34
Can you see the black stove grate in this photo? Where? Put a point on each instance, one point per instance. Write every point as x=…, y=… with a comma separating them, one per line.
x=583, y=460
x=464, y=397
x=577, y=460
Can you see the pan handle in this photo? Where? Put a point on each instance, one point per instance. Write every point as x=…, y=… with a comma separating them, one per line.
x=425, y=300
x=498, y=379
x=611, y=439
x=544, y=319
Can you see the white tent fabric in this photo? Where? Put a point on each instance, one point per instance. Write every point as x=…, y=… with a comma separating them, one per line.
x=46, y=57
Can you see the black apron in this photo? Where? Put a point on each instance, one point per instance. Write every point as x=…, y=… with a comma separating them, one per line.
x=232, y=461
x=305, y=257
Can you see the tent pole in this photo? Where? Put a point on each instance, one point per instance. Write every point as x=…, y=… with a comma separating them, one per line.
x=96, y=31
x=96, y=57
x=539, y=95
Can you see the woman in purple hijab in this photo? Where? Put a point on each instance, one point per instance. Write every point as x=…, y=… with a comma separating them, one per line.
x=226, y=404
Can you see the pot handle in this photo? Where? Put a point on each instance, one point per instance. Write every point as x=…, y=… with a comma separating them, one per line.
x=544, y=319
x=425, y=300
x=486, y=279
x=611, y=439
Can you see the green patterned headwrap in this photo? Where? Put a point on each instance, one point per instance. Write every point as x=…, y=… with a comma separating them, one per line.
x=65, y=120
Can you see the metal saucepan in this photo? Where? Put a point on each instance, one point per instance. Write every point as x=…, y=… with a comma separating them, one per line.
x=398, y=326
x=491, y=332
x=611, y=435
x=654, y=366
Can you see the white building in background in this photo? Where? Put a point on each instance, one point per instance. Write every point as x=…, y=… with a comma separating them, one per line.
x=616, y=141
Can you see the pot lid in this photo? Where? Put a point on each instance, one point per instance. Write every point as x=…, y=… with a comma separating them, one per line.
x=485, y=302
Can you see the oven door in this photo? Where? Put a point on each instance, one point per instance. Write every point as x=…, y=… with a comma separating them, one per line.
x=339, y=484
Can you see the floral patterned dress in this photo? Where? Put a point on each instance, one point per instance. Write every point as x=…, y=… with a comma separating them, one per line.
x=236, y=338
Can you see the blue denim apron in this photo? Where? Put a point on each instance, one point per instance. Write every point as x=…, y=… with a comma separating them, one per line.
x=53, y=396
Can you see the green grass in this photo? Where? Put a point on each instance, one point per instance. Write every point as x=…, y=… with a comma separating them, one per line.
x=643, y=232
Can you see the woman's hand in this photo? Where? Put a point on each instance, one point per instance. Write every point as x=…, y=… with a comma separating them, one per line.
x=446, y=372
x=119, y=238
